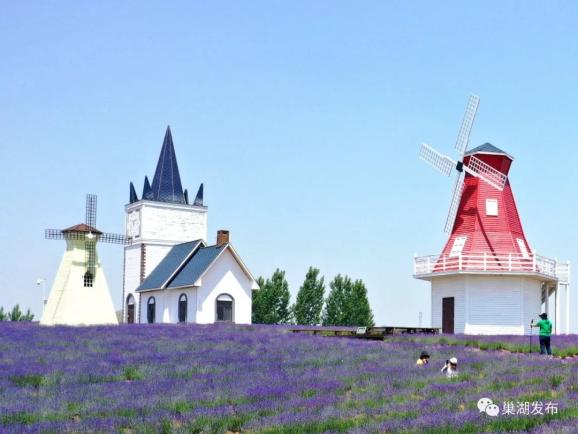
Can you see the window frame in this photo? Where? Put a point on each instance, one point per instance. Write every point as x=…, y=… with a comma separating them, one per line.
x=128, y=303
x=224, y=297
x=154, y=310
x=490, y=203
x=186, y=308
x=523, y=249
x=456, y=250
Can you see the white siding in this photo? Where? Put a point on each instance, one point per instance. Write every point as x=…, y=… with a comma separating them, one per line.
x=495, y=304
x=488, y=304
x=131, y=277
x=449, y=286
x=173, y=222
x=171, y=304
x=153, y=255
x=532, y=302
x=225, y=277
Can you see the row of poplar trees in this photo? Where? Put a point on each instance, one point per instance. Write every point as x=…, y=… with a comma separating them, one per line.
x=345, y=305
x=16, y=315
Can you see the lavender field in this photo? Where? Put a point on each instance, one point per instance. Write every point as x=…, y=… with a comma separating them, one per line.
x=260, y=379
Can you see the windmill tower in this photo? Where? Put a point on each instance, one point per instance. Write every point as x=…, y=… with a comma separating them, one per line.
x=80, y=295
x=161, y=218
x=487, y=279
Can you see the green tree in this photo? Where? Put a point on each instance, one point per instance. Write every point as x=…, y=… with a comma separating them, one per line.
x=335, y=312
x=29, y=316
x=3, y=316
x=258, y=308
x=15, y=314
x=307, y=307
x=271, y=304
x=358, y=309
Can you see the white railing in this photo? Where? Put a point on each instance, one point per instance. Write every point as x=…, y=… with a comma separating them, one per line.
x=492, y=262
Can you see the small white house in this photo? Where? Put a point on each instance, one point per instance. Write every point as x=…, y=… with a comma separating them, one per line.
x=196, y=283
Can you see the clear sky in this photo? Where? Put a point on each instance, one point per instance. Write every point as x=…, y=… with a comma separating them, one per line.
x=303, y=119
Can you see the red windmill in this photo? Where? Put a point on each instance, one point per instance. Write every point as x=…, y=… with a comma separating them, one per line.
x=487, y=279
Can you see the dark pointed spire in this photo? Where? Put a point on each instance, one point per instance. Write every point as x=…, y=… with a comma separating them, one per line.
x=133, y=197
x=147, y=193
x=199, y=197
x=186, y=194
x=167, y=185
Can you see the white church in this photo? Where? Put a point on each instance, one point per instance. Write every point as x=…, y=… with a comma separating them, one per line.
x=171, y=274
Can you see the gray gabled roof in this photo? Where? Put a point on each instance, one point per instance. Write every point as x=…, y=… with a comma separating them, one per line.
x=488, y=148
x=196, y=266
x=170, y=263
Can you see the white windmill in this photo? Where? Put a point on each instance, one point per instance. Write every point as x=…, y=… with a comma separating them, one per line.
x=80, y=294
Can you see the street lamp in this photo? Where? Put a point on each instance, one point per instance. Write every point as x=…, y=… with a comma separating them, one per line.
x=42, y=281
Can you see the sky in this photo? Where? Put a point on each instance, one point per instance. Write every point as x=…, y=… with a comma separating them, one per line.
x=303, y=119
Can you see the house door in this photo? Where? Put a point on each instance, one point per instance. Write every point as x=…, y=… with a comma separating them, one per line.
x=448, y=315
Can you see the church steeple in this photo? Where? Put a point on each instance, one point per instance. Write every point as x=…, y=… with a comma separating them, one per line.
x=147, y=193
x=167, y=185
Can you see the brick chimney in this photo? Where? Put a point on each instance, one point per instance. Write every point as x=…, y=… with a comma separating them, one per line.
x=222, y=237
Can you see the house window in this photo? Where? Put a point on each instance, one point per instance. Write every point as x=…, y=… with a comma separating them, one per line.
x=183, y=308
x=88, y=280
x=491, y=207
x=225, y=306
x=523, y=249
x=130, y=309
x=151, y=310
x=458, y=246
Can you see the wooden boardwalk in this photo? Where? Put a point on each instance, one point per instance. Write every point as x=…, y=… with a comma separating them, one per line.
x=374, y=333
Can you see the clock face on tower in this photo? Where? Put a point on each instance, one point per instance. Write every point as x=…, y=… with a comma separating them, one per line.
x=133, y=225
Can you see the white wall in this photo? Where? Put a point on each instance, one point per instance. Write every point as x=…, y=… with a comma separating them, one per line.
x=70, y=302
x=532, y=303
x=131, y=278
x=488, y=304
x=225, y=277
x=167, y=305
x=172, y=222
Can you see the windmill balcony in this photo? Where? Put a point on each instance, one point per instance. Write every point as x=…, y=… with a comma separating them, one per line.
x=426, y=267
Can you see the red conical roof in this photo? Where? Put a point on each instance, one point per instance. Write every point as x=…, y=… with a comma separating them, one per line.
x=487, y=219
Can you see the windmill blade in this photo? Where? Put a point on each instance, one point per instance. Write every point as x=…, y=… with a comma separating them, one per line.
x=441, y=162
x=53, y=234
x=112, y=238
x=455, y=203
x=90, y=256
x=91, y=210
x=478, y=168
x=467, y=122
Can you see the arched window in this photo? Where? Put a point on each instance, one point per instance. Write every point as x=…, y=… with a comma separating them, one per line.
x=225, y=308
x=130, y=309
x=183, y=308
x=151, y=310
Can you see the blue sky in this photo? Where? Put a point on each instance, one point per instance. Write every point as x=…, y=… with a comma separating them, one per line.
x=303, y=119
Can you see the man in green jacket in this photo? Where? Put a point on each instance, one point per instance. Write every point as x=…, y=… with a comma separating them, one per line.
x=545, y=332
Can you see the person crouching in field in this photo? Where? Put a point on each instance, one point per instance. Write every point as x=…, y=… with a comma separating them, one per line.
x=423, y=359
x=545, y=332
x=451, y=368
